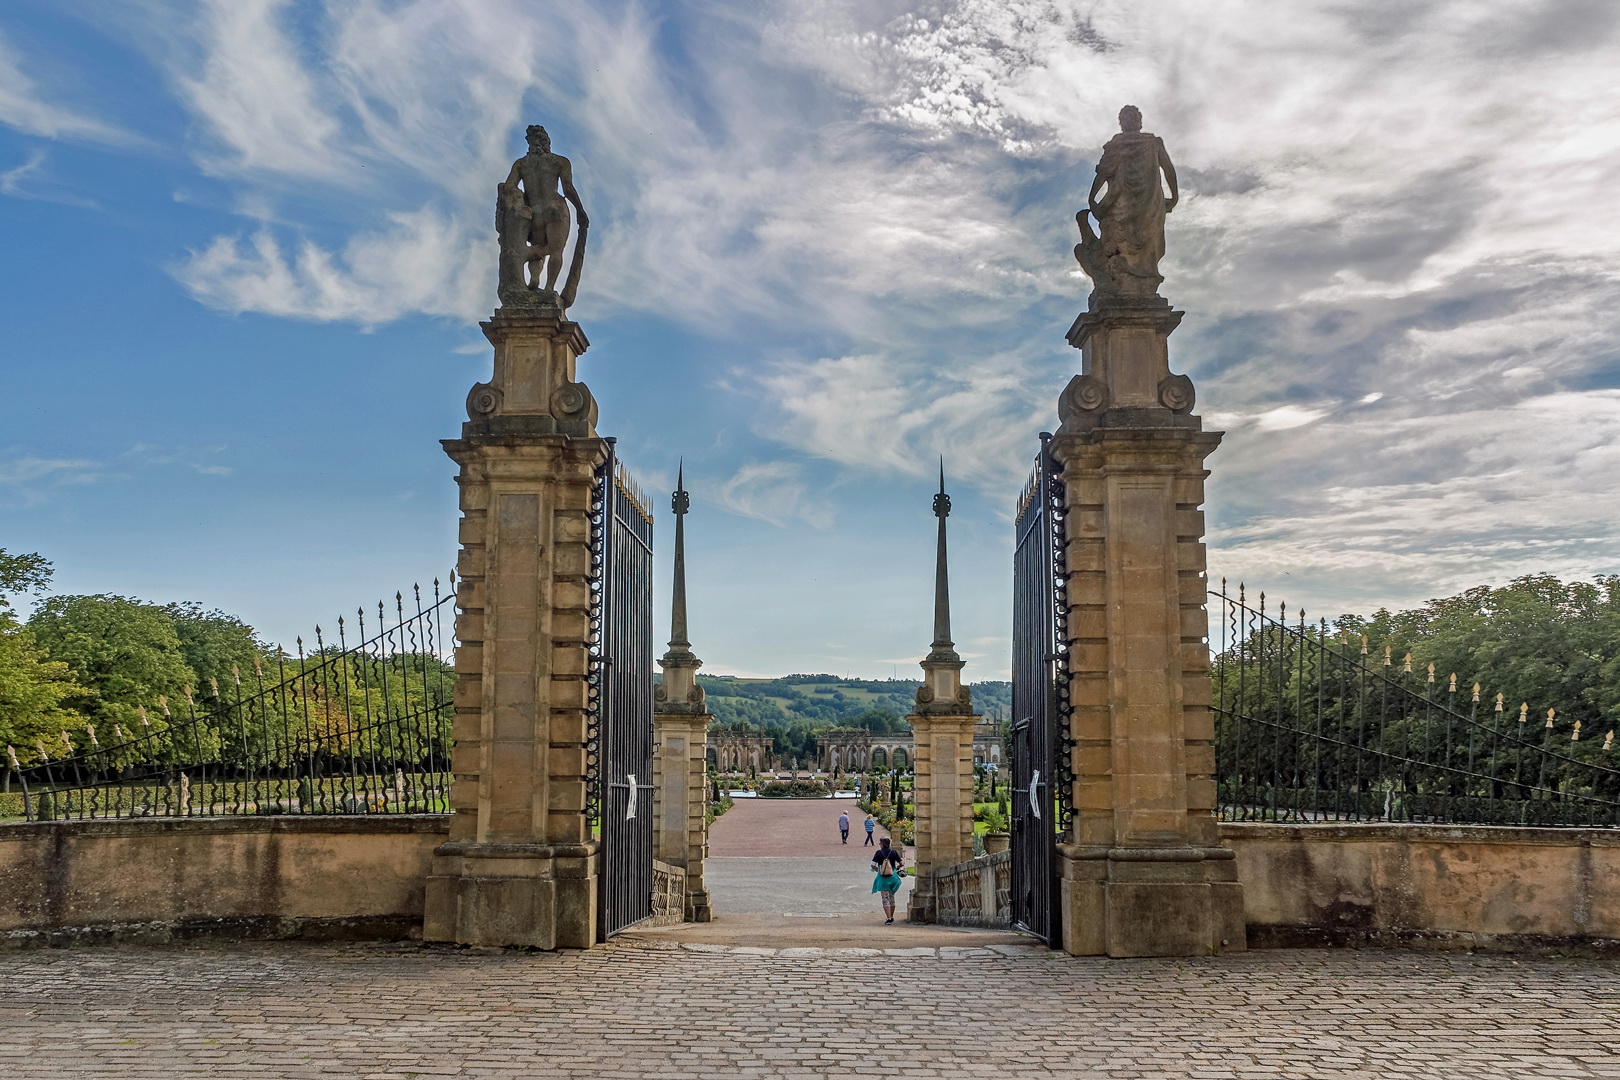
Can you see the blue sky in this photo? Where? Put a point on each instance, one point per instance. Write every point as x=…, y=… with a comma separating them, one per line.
x=245, y=245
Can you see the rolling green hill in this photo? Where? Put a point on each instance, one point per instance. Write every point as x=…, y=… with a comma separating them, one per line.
x=823, y=701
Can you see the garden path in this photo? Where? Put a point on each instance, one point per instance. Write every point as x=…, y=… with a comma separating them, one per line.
x=779, y=877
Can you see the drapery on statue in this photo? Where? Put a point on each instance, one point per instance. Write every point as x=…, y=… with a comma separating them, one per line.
x=1124, y=259
x=532, y=223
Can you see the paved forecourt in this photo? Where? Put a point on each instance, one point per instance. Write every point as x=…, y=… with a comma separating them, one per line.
x=637, y=1008
x=779, y=875
x=798, y=828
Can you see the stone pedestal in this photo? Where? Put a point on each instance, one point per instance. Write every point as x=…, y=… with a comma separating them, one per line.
x=942, y=790
x=520, y=865
x=1144, y=873
x=680, y=802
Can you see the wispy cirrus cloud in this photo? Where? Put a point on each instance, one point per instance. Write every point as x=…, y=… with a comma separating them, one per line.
x=26, y=106
x=776, y=492
x=1390, y=245
x=29, y=478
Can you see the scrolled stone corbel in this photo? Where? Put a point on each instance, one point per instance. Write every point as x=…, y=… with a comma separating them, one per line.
x=1176, y=393
x=1085, y=394
x=483, y=401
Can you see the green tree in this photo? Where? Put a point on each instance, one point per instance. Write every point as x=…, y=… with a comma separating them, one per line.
x=213, y=642
x=878, y=720
x=22, y=573
x=32, y=686
x=124, y=653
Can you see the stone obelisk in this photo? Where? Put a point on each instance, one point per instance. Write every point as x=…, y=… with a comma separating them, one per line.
x=942, y=744
x=519, y=867
x=1143, y=873
x=681, y=740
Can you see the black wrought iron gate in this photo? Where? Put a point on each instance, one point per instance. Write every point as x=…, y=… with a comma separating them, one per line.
x=1039, y=700
x=621, y=735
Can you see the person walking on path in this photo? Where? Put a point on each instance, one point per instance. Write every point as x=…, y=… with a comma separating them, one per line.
x=843, y=826
x=889, y=867
x=870, y=825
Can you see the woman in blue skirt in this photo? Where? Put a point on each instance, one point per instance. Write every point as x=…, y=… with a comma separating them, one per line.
x=889, y=868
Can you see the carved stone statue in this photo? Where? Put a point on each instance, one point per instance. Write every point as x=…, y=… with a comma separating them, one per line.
x=1124, y=259
x=532, y=223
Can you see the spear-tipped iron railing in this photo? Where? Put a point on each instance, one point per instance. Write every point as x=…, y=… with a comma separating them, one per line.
x=1314, y=724
x=343, y=728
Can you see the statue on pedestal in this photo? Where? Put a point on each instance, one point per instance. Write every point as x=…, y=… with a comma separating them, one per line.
x=1122, y=256
x=532, y=223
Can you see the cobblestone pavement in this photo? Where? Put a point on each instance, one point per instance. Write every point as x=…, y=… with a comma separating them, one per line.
x=681, y=1012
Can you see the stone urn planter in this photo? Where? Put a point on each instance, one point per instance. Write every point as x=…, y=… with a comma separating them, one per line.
x=996, y=841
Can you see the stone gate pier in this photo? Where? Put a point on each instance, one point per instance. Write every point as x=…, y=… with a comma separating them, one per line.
x=520, y=866
x=1143, y=872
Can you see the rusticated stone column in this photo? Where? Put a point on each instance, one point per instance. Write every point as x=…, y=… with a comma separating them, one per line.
x=942, y=746
x=681, y=743
x=1144, y=873
x=519, y=867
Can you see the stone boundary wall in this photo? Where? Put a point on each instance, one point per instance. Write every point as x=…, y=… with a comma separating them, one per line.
x=354, y=876
x=1459, y=887
x=975, y=893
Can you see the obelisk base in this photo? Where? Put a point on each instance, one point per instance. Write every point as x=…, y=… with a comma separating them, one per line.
x=942, y=790
x=680, y=803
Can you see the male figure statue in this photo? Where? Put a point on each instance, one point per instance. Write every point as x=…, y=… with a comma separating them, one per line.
x=533, y=222
x=1124, y=260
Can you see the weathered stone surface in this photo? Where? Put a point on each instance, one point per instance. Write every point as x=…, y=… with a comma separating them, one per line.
x=520, y=867
x=942, y=730
x=1447, y=886
x=1141, y=875
x=531, y=222
x=1128, y=200
x=151, y=879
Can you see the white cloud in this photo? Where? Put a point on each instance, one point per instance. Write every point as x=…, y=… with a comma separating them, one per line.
x=255, y=95
x=773, y=491
x=1397, y=509
x=418, y=264
x=24, y=106
x=26, y=477
x=1284, y=417
x=11, y=181
x=24, y=470
x=1391, y=204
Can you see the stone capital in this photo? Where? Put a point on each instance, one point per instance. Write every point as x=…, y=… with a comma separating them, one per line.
x=537, y=323
x=1151, y=313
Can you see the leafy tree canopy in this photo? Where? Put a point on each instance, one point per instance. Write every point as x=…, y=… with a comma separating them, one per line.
x=32, y=686
x=22, y=573
x=125, y=653
x=32, y=691
x=1537, y=640
x=213, y=642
